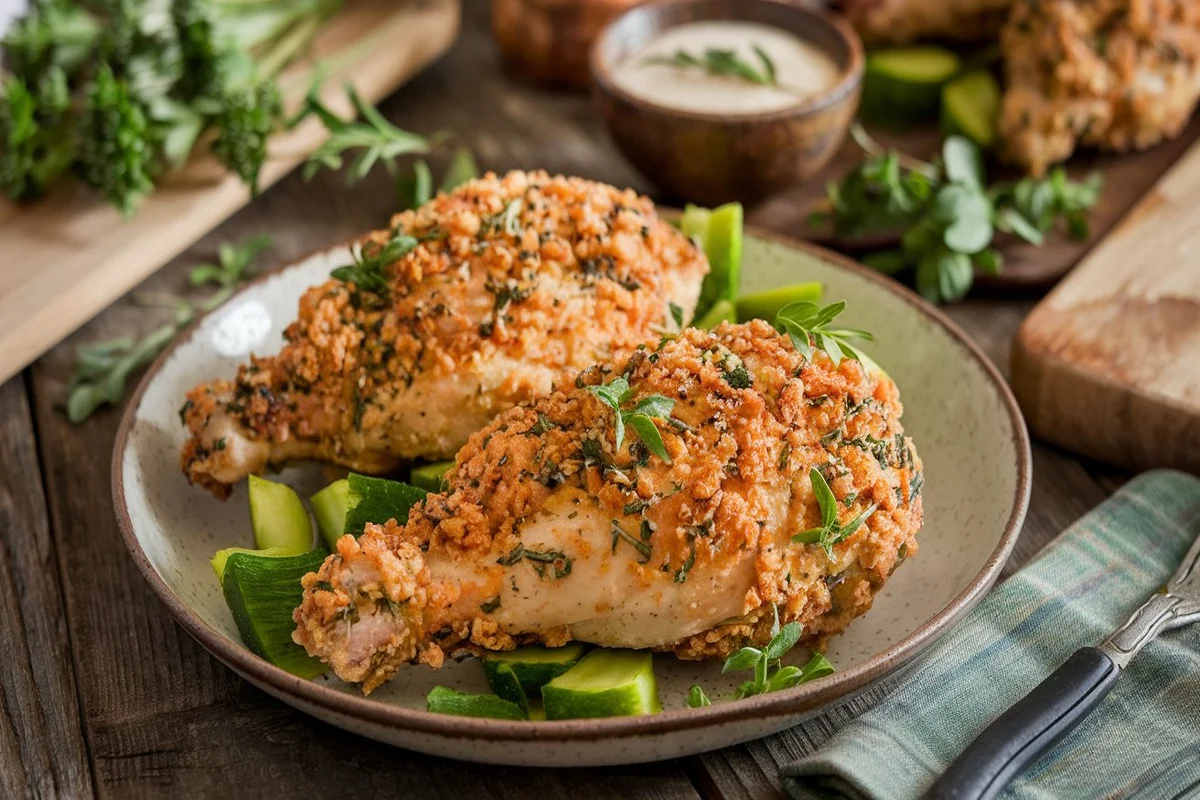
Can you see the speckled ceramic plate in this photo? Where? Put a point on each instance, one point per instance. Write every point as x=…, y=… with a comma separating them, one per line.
x=957, y=409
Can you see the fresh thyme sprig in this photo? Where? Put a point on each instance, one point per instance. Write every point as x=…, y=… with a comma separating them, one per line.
x=808, y=324
x=769, y=673
x=724, y=63
x=618, y=392
x=381, y=142
x=368, y=272
x=830, y=532
x=103, y=368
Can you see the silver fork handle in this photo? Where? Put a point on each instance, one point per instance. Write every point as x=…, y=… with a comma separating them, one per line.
x=1161, y=612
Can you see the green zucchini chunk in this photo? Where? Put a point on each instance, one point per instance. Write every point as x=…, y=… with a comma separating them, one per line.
x=262, y=591
x=605, y=683
x=278, y=517
x=533, y=667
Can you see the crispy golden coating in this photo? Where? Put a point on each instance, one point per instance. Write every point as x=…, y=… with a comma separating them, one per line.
x=1113, y=74
x=549, y=533
x=904, y=21
x=517, y=284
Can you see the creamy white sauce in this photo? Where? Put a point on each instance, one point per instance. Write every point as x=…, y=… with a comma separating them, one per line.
x=802, y=69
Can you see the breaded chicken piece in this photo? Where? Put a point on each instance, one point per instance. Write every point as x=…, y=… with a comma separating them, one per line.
x=1113, y=74
x=517, y=284
x=547, y=533
x=904, y=21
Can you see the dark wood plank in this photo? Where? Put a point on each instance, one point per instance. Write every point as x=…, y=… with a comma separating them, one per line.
x=42, y=752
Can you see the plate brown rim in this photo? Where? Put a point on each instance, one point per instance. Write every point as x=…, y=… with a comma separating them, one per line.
x=777, y=704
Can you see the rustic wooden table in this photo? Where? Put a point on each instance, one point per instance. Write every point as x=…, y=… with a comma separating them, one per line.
x=102, y=693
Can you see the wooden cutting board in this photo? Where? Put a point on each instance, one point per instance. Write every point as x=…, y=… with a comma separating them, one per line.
x=1108, y=364
x=66, y=257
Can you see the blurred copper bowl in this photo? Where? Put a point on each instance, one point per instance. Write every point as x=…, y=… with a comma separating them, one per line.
x=715, y=158
x=547, y=41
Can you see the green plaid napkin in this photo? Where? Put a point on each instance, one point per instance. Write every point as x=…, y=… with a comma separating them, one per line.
x=1144, y=739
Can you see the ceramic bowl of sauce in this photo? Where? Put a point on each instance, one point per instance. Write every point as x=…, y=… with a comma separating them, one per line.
x=719, y=100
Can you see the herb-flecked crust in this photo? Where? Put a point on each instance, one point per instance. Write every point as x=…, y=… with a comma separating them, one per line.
x=513, y=285
x=579, y=541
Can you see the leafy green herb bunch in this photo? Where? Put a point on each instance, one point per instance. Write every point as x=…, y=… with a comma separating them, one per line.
x=117, y=93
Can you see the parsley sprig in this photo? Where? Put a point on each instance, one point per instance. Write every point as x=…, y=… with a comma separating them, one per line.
x=117, y=94
x=640, y=418
x=770, y=675
x=723, y=63
x=807, y=324
x=102, y=369
x=378, y=141
x=830, y=532
x=946, y=215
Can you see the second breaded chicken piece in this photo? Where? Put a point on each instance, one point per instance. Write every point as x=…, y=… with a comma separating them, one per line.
x=550, y=530
x=1113, y=74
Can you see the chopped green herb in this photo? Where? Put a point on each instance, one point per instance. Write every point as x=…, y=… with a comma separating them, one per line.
x=830, y=532
x=697, y=698
x=676, y=314
x=368, y=273
x=489, y=606
x=557, y=560
x=723, y=63
x=619, y=533
x=641, y=417
x=807, y=324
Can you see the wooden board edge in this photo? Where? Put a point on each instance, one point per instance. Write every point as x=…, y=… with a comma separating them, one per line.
x=45, y=328
x=1143, y=432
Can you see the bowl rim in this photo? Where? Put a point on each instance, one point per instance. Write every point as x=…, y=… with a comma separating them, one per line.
x=849, y=78
x=786, y=703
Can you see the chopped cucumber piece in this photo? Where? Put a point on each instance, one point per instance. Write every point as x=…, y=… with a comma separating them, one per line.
x=444, y=700
x=329, y=507
x=505, y=684
x=605, y=683
x=694, y=222
x=278, y=517
x=765, y=305
x=720, y=235
x=262, y=592
x=971, y=106
x=533, y=667
x=903, y=86
x=721, y=311
x=221, y=557
x=431, y=477
x=378, y=500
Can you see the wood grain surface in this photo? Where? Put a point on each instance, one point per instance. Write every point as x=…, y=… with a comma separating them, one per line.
x=42, y=750
x=134, y=708
x=69, y=255
x=1109, y=363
